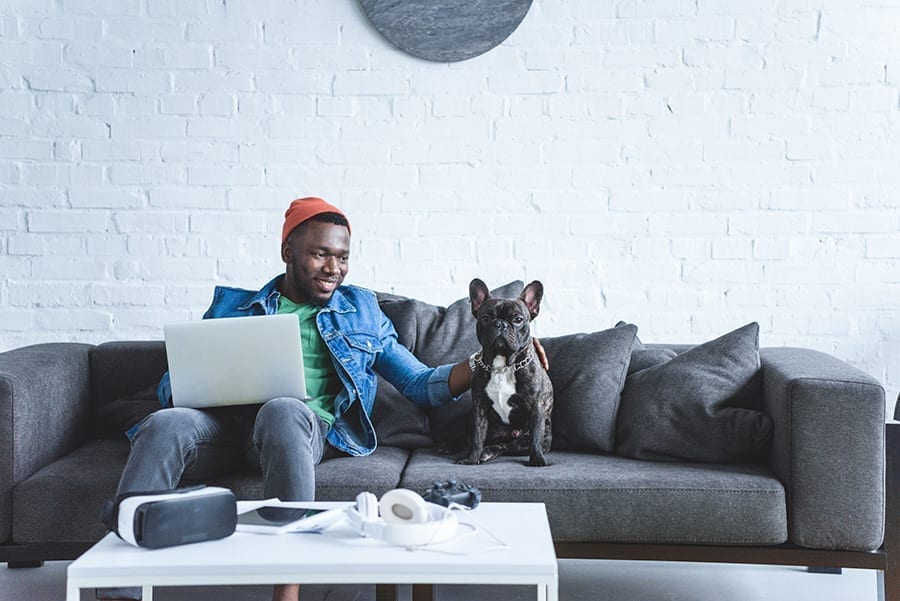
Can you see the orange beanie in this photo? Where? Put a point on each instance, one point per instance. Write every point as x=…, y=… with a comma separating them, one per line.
x=304, y=208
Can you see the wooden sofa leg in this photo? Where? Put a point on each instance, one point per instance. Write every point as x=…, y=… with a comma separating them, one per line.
x=891, y=577
x=818, y=570
x=890, y=581
x=25, y=564
x=388, y=592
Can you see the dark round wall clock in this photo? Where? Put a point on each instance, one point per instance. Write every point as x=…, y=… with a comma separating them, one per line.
x=446, y=30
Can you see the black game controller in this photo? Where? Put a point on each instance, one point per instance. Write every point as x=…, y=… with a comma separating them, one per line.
x=451, y=491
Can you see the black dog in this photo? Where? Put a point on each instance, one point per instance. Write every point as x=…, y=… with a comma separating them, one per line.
x=512, y=393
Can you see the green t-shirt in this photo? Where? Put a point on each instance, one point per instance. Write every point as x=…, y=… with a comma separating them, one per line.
x=322, y=381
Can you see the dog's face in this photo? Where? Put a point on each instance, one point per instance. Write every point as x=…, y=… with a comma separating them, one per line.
x=503, y=325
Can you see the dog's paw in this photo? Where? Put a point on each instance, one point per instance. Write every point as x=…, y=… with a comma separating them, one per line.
x=488, y=456
x=449, y=448
x=467, y=461
x=537, y=462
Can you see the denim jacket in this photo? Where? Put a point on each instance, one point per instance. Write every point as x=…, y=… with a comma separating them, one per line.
x=362, y=341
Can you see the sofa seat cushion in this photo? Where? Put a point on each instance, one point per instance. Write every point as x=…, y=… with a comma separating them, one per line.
x=604, y=498
x=62, y=501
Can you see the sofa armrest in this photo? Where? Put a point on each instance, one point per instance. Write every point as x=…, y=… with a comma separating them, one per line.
x=827, y=448
x=44, y=412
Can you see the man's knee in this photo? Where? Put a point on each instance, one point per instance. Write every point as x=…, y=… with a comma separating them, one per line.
x=285, y=414
x=173, y=423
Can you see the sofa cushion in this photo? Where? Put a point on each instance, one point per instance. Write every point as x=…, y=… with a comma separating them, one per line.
x=437, y=336
x=124, y=377
x=702, y=405
x=43, y=504
x=642, y=358
x=588, y=372
x=398, y=422
x=115, y=418
x=45, y=511
x=592, y=497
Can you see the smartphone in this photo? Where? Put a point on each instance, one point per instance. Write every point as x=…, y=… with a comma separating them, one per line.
x=275, y=519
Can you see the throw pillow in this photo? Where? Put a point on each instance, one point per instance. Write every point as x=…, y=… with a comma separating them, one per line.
x=643, y=357
x=702, y=405
x=117, y=417
x=588, y=372
x=436, y=335
x=398, y=422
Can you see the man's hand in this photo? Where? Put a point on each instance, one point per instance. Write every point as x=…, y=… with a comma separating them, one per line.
x=541, y=354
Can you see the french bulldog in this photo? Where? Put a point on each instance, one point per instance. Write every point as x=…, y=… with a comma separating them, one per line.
x=511, y=392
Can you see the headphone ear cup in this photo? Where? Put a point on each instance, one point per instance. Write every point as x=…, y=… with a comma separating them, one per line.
x=439, y=526
x=367, y=506
x=402, y=506
x=406, y=519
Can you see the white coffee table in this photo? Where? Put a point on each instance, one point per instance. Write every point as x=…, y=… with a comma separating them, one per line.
x=338, y=556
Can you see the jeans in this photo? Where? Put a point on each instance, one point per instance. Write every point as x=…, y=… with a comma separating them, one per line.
x=282, y=438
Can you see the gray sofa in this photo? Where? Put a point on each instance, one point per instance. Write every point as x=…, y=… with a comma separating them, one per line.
x=814, y=495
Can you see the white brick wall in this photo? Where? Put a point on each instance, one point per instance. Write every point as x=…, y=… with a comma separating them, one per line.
x=688, y=165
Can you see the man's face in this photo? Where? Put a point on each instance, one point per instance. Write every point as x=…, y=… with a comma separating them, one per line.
x=317, y=258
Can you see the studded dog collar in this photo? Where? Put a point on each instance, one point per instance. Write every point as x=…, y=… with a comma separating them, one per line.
x=476, y=361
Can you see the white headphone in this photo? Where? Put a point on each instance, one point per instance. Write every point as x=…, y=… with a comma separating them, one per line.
x=402, y=518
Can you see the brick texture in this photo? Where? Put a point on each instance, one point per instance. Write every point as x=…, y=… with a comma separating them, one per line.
x=687, y=166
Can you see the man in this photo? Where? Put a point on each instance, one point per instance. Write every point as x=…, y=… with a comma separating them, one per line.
x=346, y=338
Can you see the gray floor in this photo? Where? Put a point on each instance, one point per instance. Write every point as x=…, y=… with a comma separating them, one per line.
x=579, y=580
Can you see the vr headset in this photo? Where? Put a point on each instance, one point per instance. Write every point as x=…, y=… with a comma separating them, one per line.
x=402, y=517
x=173, y=517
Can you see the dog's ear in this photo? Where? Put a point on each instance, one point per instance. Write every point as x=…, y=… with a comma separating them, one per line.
x=531, y=296
x=478, y=293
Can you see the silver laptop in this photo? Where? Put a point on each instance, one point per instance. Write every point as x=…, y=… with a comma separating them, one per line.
x=235, y=360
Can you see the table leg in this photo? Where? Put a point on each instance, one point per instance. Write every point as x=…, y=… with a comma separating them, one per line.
x=552, y=590
x=385, y=592
x=147, y=592
x=73, y=593
x=423, y=592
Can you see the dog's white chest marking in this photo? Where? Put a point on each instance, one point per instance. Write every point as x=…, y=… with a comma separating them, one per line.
x=501, y=386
